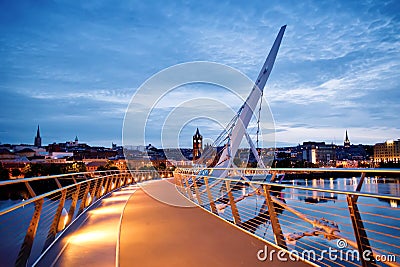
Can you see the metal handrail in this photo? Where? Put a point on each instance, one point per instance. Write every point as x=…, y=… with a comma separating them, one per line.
x=193, y=183
x=68, y=175
x=33, y=199
x=305, y=170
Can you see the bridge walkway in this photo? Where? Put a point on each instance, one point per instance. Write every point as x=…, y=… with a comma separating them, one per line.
x=158, y=234
x=153, y=233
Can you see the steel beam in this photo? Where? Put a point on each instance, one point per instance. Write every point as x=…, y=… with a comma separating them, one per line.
x=26, y=247
x=273, y=217
x=358, y=227
x=84, y=197
x=235, y=212
x=53, y=228
x=210, y=198
x=72, y=208
x=196, y=191
x=94, y=189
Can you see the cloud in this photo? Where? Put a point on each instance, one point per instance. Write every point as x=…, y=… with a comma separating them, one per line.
x=71, y=61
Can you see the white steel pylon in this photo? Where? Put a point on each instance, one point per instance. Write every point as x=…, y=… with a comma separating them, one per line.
x=238, y=130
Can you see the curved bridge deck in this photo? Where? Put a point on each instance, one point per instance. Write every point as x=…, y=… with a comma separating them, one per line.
x=153, y=233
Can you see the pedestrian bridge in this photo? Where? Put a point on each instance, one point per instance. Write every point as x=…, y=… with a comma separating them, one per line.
x=121, y=218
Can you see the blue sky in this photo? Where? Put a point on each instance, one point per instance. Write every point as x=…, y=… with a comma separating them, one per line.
x=72, y=66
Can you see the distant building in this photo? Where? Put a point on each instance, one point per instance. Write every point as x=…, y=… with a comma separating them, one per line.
x=6, y=154
x=318, y=152
x=346, y=141
x=94, y=165
x=387, y=152
x=197, y=145
x=38, y=139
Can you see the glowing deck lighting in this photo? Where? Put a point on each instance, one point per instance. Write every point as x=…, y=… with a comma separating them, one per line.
x=114, y=209
x=63, y=220
x=116, y=198
x=91, y=237
x=88, y=199
x=123, y=192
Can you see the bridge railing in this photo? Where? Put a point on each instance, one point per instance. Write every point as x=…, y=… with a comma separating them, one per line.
x=44, y=206
x=306, y=217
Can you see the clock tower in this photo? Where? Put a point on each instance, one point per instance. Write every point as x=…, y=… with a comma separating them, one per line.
x=197, y=145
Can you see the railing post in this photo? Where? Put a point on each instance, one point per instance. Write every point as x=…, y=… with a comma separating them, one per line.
x=110, y=180
x=106, y=184
x=99, y=189
x=53, y=228
x=26, y=247
x=358, y=227
x=188, y=190
x=210, y=198
x=196, y=191
x=276, y=227
x=84, y=197
x=75, y=198
x=93, y=193
x=235, y=212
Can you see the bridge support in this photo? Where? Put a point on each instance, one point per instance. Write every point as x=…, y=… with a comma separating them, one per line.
x=84, y=197
x=235, y=212
x=210, y=198
x=196, y=191
x=53, y=228
x=276, y=227
x=73, y=204
x=358, y=227
x=26, y=247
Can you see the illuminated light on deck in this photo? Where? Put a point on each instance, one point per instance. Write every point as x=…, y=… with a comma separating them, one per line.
x=124, y=192
x=63, y=220
x=116, y=198
x=96, y=235
x=103, y=190
x=114, y=209
x=88, y=199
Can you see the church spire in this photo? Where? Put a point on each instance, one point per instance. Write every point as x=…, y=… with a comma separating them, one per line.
x=347, y=141
x=38, y=139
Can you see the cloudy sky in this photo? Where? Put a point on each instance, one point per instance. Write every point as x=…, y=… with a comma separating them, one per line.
x=73, y=66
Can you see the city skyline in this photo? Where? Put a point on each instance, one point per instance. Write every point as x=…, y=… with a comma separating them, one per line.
x=34, y=138
x=72, y=67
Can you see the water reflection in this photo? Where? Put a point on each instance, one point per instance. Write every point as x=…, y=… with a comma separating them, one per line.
x=375, y=185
